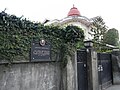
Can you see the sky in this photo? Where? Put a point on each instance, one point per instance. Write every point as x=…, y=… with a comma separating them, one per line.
x=39, y=10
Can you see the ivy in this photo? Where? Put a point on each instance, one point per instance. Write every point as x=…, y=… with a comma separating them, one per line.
x=16, y=35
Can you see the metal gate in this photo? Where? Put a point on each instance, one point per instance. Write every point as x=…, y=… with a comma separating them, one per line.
x=104, y=70
x=82, y=70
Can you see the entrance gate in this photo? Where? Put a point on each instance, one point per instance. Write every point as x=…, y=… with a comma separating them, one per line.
x=82, y=70
x=104, y=70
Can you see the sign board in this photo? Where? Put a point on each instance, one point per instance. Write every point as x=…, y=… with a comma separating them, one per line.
x=40, y=52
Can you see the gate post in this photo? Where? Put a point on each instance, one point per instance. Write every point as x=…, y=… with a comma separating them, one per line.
x=116, y=66
x=92, y=66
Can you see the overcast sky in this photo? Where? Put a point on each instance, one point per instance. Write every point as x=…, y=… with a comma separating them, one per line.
x=39, y=10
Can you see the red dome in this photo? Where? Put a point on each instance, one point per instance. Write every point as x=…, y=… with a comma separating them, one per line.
x=74, y=12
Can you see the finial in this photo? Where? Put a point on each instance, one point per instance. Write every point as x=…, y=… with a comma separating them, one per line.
x=73, y=5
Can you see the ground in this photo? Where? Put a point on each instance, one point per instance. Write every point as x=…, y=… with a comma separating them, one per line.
x=114, y=87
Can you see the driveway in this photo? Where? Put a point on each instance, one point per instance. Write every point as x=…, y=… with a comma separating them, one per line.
x=114, y=87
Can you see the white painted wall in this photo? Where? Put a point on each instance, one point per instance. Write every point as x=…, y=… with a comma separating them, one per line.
x=79, y=21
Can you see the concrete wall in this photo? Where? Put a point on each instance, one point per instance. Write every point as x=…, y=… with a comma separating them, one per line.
x=30, y=76
x=71, y=70
x=69, y=74
x=39, y=75
x=116, y=67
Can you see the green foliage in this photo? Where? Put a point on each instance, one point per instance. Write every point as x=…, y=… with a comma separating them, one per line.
x=16, y=35
x=65, y=40
x=98, y=30
x=111, y=37
x=119, y=45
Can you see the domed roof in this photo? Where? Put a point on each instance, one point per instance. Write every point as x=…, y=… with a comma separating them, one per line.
x=74, y=12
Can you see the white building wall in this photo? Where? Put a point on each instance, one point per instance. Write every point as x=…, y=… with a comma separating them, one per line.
x=77, y=21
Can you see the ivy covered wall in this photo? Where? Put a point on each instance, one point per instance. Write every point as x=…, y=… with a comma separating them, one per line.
x=17, y=33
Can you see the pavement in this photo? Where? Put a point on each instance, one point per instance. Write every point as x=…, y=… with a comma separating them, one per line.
x=114, y=87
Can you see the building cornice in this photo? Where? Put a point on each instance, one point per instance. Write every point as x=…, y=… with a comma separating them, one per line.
x=71, y=19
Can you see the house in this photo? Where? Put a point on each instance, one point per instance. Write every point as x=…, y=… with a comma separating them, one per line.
x=74, y=17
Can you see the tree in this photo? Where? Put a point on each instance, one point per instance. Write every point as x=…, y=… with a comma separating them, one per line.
x=119, y=44
x=98, y=30
x=111, y=37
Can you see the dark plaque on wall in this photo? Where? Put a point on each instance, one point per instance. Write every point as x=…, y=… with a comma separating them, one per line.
x=40, y=51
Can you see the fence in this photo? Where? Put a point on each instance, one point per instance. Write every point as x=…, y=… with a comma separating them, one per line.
x=38, y=75
x=104, y=70
x=116, y=67
x=81, y=68
x=30, y=76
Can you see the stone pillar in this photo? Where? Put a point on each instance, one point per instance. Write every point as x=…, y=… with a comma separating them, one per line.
x=72, y=73
x=92, y=64
x=116, y=66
